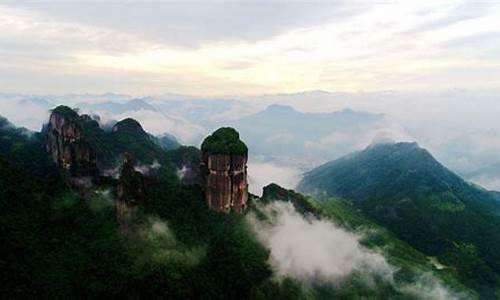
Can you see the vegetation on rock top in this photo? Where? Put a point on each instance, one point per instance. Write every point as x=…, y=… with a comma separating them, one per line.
x=225, y=140
x=66, y=112
x=129, y=125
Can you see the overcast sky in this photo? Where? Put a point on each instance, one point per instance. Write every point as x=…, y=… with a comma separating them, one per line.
x=241, y=48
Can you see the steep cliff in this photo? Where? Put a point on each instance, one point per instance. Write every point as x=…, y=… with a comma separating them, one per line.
x=131, y=192
x=66, y=142
x=224, y=166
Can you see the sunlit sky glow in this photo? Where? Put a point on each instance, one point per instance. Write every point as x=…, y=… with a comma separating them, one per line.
x=213, y=48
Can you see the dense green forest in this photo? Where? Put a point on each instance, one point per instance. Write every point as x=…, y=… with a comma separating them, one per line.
x=403, y=188
x=57, y=243
x=61, y=243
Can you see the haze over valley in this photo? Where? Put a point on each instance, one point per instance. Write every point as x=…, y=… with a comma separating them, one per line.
x=291, y=133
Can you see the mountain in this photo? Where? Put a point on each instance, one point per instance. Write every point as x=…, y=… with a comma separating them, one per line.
x=409, y=264
x=149, y=233
x=117, y=107
x=403, y=188
x=208, y=113
x=152, y=118
x=168, y=141
x=58, y=242
x=280, y=130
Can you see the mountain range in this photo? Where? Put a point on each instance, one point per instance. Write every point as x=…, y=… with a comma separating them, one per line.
x=64, y=240
x=461, y=145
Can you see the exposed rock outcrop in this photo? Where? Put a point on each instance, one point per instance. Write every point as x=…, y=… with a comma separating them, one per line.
x=224, y=166
x=65, y=141
x=131, y=192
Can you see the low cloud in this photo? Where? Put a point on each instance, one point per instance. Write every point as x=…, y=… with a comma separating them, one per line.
x=101, y=199
x=263, y=173
x=27, y=114
x=159, y=123
x=159, y=246
x=312, y=249
x=146, y=169
x=428, y=287
x=318, y=251
x=488, y=182
x=181, y=173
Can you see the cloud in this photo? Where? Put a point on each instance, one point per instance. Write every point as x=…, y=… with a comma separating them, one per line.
x=158, y=245
x=451, y=15
x=458, y=126
x=347, y=140
x=262, y=173
x=490, y=38
x=314, y=250
x=426, y=286
x=27, y=114
x=318, y=251
x=242, y=48
x=158, y=123
x=181, y=173
x=193, y=23
x=487, y=181
x=146, y=169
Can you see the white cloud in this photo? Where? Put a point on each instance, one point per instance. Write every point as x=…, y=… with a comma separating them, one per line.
x=181, y=173
x=29, y=115
x=487, y=181
x=311, y=249
x=297, y=47
x=262, y=173
x=158, y=244
x=158, y=123
x=427, y=287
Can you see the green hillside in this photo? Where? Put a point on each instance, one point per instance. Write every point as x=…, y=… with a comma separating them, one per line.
x=61, y=243
x=403, y=188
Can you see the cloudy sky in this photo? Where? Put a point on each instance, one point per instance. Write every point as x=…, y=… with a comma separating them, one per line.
x=243, y=48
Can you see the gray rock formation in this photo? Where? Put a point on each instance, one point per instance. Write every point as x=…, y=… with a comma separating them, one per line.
x=65, y=141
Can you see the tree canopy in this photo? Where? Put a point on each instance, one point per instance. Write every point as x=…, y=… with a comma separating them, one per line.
x=225, y=140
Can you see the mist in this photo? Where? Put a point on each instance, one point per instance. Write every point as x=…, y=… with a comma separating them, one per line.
x=312, y=249
x=315, y=251
x=459, y=127
x=261, y=174
x=158, y=244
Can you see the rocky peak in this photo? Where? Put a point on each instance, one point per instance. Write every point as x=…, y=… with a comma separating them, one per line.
x=65, y=141
x=224, y=165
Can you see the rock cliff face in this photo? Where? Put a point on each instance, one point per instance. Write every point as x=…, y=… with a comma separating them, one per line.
x=131, y=193
x=224, y=165
x=66, y=143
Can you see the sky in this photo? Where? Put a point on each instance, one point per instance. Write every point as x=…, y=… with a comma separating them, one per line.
x=212, y=48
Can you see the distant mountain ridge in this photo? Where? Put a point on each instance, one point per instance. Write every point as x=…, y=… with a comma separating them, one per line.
x=280, y=130
x=118, y=107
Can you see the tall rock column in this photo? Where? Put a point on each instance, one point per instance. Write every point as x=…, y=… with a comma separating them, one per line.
x=224, y=169
x=66, y=142
x=131, y=193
